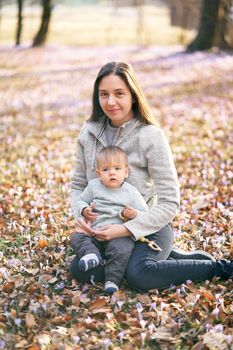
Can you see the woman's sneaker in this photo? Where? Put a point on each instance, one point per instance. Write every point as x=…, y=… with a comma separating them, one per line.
x=110, y=287
x=224, y=269
x=179, y=254
x=88, y=261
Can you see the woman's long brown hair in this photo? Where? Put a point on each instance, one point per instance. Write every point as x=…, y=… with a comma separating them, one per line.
x=125, y=71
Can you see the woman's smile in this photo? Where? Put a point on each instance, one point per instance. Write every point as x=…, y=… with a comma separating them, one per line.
x=113, y=110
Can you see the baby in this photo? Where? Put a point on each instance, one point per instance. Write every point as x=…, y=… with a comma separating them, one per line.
x=113, y=201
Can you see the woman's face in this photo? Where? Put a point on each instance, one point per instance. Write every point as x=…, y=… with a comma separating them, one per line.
x=115, y=99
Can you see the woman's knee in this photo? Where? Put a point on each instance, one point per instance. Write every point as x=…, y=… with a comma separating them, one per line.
x=132, y=279
x=135, y=274
x=145, y=275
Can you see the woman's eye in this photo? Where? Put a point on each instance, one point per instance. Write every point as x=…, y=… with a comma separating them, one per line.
x=103, y=94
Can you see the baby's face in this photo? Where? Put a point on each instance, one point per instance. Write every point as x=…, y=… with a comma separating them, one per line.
x=112, y=174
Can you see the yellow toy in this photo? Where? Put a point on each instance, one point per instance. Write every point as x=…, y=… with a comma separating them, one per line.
x=151, y=244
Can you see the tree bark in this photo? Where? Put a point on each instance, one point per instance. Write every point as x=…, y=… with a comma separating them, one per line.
x=0, y=11
x=140, y=21
x=41, y=36
x=223, y=36
x=20, y=22
x=215, y=27
x=205, y=37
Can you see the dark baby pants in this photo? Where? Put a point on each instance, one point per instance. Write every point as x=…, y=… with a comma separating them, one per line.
x=116, y=252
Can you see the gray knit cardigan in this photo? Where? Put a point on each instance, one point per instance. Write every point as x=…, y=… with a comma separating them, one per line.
x=152, y=171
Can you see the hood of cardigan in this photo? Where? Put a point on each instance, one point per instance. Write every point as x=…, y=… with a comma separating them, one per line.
x=97, y=129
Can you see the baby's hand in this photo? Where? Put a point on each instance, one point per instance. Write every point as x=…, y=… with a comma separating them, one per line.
x=129, y=212
x=88, y=213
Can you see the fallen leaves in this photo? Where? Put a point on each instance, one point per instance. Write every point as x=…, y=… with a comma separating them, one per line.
x=8, y=287
x=41, y=307
x=42, y=243
x=33, y=272
x=30, y=320
x=215, y=341
x=99, y=303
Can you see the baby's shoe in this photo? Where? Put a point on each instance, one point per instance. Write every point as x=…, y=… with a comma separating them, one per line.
x=88, y=261
x=110, y=287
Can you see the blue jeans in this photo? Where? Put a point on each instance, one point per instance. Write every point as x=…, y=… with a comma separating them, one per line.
x=149, y=269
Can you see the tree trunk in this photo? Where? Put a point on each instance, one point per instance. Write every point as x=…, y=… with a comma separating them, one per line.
x=223, y=36
x=40, y=37
x=0, y=11
x=206, y=34
x=215, y=26
x=140, y=21
x=20, y=22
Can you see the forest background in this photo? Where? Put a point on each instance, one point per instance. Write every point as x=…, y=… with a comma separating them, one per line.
x=183, y=58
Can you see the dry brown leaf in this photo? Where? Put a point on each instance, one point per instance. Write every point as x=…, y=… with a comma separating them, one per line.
x=42, y=243
x=58, y=256
x=76, y=300
x=13, y=313
x=43, y=339
x=150, y=314
x=52, y=280
x=162, y=333
x=190, y=299
x=102, y=310
x=120, y=295
x=182, y=302
x=177, y=306
x=121, y=316
x=44, y=278
x=17, y=281
x=207, y=294
x=84, y=299
x=98, y=303
x=3, y=318
x=32, y=271
x=44, y=299
x=30, y=320
x=198, y=346
x=61, y=319
x=215, y=341
x=58, y=299
x=144, y=299
x=60, y=331
x=21, y=344
x=8, y=287
x=34, y=347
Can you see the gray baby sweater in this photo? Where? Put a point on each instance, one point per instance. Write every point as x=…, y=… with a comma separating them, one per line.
x=152, y=171
x=110, y=201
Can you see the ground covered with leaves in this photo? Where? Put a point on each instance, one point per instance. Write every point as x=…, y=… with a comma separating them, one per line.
x=45, y=98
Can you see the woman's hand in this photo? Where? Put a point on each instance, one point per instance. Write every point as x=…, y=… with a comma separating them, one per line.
x=109, y=232
x=88, y=213
x=84, y=227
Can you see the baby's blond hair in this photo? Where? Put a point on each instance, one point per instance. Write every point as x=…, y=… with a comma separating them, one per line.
x=110, y=153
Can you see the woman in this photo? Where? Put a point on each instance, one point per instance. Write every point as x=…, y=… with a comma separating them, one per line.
x=121, y=116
